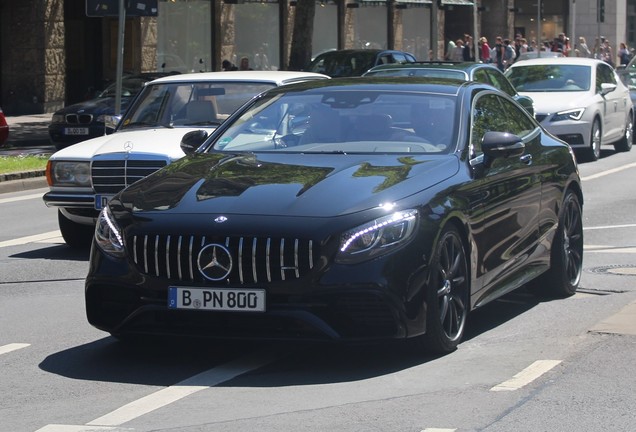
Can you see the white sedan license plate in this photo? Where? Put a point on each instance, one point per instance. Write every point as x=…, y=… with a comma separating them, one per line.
x=217, y=299
x=76, y=131
x=101, y=201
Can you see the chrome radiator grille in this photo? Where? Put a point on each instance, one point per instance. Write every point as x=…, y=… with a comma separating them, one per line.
x=111, y=176
x=254, y=259
x=79, y=118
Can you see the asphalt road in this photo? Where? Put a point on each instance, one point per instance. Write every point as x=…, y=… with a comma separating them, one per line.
x=526, y=364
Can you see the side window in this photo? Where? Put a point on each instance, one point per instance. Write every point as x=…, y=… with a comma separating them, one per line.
x=501, y=82
x=604, y=74
x=399, y=58
x=492, y=112
x=481, y=76
x=385, y=59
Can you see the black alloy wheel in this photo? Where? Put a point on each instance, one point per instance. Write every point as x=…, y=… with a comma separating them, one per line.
x=448, y=294
x=566, y=256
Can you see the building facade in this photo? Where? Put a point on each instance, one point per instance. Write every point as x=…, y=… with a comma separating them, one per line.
x=65, y=56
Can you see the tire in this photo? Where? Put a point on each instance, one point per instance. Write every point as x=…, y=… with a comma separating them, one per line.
x=566, y=255
x=75, y=235
x=593, y=153
x=447, y=295
x=625, y=143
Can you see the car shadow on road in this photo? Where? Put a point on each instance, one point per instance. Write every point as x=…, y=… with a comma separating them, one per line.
x=164, y=361
x=58, y=252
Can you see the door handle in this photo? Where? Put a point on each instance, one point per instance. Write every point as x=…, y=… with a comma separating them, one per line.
x=526, y=159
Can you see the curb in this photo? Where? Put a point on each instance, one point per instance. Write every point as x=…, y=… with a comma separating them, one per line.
x=17, y=182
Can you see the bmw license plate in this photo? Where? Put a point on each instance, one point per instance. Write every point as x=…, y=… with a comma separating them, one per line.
x=76, y=131
x=217, y=299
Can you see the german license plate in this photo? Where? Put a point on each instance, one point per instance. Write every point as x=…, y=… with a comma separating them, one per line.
x=76, y=131
x=101, y=201
x=217, y=299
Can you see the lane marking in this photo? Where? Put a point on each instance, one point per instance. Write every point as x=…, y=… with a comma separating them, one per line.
x=526, y=376
x=608, y=172
x=20, y=198
x=437, y=430
x=189, y=386
x=75, y=428
x=12, y=347
x=31, y=239
x=609, y=227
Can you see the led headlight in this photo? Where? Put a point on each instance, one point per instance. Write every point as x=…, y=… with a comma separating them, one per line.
x=377, y=237
x=108, y=236
x=574, y=114
x=69, y=173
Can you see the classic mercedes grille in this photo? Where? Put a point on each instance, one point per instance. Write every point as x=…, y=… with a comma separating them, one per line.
x=254, y=259
x=111, y=176
x=79, y=118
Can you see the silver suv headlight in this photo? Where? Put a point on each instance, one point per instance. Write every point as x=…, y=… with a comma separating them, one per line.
x=69, y=173
x=108, y=236
x=377, y=237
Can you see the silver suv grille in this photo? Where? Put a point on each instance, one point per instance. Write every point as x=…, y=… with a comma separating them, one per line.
x=111, y=176
x=254, y=259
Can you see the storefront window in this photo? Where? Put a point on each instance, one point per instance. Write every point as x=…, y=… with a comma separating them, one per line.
x=184, y=36
x=370, y=26
x=417, y=32
x=256, y=35
x=325, y=35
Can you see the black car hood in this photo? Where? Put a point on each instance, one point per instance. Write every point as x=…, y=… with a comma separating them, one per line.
x=285, y=184
x=97, y=106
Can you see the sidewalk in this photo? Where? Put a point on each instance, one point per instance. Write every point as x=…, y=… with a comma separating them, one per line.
x=27, y=135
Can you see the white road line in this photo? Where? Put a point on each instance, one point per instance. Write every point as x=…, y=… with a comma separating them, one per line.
x=526, y=376
x=20, y=198
x=180, y=390
x=12, y=347
x=437, y=430
x=608, y=172
x=608, y=227
x=31, y=239
x=76, y=428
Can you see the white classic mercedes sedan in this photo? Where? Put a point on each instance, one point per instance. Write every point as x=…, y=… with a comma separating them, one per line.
x=83, y=177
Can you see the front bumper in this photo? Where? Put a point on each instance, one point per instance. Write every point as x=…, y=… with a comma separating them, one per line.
x=577, y=134
x=366, y=302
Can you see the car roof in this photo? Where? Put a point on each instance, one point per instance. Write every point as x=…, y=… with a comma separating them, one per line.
x=274, y=77
x=466, y=67
x=558, y=60
x=446, y=86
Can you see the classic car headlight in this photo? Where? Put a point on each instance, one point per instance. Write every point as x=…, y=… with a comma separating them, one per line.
x=377, y=237
x=58, y=118
x=108, y=234
x=69, y=173
x=574, y=114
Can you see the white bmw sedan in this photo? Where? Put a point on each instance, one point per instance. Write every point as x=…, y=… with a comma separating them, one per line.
x=582, y=101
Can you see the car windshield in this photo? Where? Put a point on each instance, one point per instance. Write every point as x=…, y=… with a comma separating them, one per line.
x=550, y=78
x=129, y=87
x=339, y=64
x=190, y=103
x=344, y=122
x=420, y=72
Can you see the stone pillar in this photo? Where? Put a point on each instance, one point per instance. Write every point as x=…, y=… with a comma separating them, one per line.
x=33, y=56
x=148, y=44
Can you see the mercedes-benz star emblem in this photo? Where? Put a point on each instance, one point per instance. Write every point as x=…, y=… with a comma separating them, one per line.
x=220, y=219
x=128, y=146
x=215, y=262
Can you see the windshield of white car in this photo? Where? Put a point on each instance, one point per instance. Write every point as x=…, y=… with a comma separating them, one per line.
x=343, y=122
x=550, y=78
x=187, y=104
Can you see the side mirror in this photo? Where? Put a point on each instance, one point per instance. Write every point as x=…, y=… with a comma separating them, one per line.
x=501, y=145
x=193, y=140
x=607, y=88
x=112, y=121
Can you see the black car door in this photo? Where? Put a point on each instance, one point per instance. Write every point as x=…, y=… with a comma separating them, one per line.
x=510, y=191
